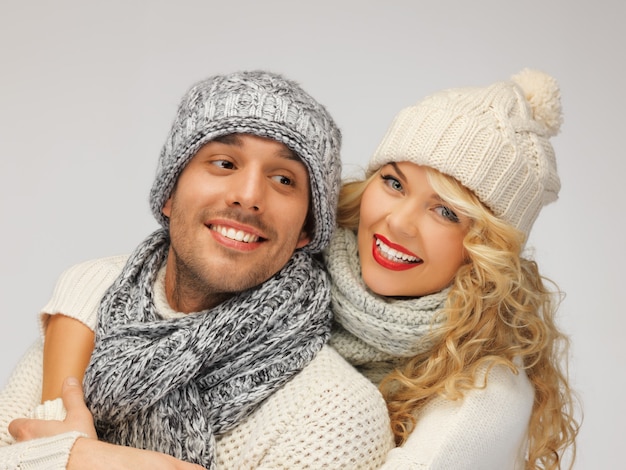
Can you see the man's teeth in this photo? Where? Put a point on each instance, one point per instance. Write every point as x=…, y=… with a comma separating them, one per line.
x=395, y=255
x=238, y=235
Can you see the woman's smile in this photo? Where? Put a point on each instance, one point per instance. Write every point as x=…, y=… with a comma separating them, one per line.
x=392, y=256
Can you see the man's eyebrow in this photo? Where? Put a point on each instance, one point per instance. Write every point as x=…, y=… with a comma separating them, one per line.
x=289, y=154
x=235, y=139
x=229, y=139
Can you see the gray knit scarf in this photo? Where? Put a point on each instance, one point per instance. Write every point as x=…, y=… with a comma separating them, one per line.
x=374, y=333
x=173, y=385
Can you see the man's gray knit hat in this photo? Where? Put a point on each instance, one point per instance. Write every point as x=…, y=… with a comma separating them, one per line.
x=263, y=104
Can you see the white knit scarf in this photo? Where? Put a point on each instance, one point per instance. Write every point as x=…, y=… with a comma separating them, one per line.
x=372, y=332
x=173, y=385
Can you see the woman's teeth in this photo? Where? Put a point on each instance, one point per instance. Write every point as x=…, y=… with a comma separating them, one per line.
x=395, y=255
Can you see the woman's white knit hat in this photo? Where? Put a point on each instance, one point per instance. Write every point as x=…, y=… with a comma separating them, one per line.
x=494, y=140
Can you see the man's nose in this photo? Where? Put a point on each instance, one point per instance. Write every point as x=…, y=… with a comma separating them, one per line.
x=248, y=191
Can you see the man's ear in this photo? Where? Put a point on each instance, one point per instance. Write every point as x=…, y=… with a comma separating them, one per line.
x=167, y=208
x=303, y=240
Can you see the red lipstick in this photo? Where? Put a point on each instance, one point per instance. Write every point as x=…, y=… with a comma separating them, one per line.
x=390, y=264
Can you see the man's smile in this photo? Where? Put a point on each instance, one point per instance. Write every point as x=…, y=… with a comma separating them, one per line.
x=237, y=235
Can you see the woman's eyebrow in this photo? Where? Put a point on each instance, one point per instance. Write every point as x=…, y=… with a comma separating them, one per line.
x=398, y=170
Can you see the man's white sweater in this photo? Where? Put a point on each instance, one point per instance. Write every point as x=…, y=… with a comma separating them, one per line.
x=328, y=416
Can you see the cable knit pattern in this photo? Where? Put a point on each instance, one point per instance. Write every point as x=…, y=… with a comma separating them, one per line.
x=328, y=416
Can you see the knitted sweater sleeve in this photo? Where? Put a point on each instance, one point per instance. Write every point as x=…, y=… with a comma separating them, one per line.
x=22, y=392
x=77, y=294
x=80, y=288
x=486, y=429
x=51, y=453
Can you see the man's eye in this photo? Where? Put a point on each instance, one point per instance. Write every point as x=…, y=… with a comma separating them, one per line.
x=283, y=180
x=223, y=164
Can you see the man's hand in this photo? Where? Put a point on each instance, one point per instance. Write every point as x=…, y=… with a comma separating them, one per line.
x=78, y=417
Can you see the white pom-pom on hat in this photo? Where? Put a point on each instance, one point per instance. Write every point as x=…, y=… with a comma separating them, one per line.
x=544, y=97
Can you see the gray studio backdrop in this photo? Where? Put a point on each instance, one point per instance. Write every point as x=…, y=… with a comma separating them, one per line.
x=88, y=91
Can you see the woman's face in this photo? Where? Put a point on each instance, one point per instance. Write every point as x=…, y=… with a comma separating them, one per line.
x=410, y=241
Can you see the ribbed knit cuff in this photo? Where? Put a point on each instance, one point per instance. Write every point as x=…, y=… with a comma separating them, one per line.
x=50, y=453
x=51, y=409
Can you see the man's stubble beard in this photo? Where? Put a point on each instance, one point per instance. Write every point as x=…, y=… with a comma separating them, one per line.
x=196, y=279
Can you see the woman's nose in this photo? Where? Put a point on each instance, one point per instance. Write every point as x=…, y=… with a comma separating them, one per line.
x=403, y=220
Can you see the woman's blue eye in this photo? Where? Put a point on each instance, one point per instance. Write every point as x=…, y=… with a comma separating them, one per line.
x=448, y=213
x=392, y=182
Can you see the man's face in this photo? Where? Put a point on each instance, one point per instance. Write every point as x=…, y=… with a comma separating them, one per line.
x=236, y=216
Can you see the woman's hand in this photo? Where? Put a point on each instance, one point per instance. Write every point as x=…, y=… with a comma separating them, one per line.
x=78, y=417
x=89, y=452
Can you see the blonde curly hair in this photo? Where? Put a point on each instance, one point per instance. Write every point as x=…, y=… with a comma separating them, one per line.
x=499, y=312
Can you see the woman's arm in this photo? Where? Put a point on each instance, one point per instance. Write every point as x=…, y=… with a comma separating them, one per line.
x=67, y=348
x=69, y=318
x=486, y=429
